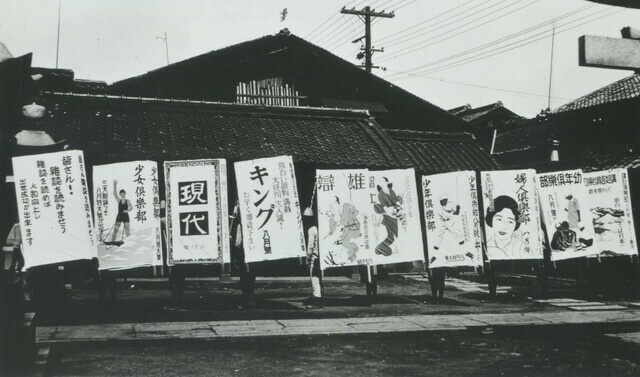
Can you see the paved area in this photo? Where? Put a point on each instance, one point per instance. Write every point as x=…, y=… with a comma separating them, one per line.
x=631, y=338
x=284, y=327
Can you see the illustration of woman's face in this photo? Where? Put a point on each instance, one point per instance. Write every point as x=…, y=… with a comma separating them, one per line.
x=123, y=195
x=504, y=224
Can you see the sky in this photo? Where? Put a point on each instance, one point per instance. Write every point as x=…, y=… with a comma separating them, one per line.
x=449, y=52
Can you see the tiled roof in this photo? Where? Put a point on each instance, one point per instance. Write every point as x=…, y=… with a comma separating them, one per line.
x=494, y=111
x=526, y=137
x=111, y=129
x=440, y=152
x=625, y=89
x=627, y=161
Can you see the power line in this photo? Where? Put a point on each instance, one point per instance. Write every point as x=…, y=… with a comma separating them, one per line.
x=404, y=5
x=336, y=31
x=516, y=43
x=425, y=21
x=504, y=38
x=410, y=49
x=494, y=53
x=423, y=31
x=325, y=21
x=342, y=39
x=487, y=87
x=339, y=38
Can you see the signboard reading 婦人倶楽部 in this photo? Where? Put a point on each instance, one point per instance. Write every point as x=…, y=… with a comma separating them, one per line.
x=197, y=220
x=127, y=208
x=611, y=211
x=54, y=208
x=270, y=209
x=565, y=213
x=452, y=219
x=511, y=215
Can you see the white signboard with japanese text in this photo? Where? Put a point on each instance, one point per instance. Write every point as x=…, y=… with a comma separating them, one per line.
x=127, y=207
x=396, y=231
x=566, y=215
x=611, y=211
x=54, y=208
x=270, y=209
x=452, y=219
x=197, y=211
x=511, y=215
x=344, y=217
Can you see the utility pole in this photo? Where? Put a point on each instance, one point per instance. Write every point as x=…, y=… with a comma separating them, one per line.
x=553, y=38
x=58, y=37
x=367, y=15
x=166, y=45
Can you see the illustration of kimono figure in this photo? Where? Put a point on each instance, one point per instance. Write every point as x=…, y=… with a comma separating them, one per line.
x=350, y=230
x=389, y=207
x=449, y=215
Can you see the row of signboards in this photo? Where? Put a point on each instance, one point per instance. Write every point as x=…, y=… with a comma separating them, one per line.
x=364, y=217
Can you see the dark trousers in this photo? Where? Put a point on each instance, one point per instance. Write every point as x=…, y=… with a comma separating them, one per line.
x=247, y=286
x=436, y=281
x=17, y=260
x=370, y=286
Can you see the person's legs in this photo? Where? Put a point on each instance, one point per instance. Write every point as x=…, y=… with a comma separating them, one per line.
x=114, y=233
x=316, y=279
x=113, y=285
x=441, y=276
x=247, y=286
x=126, y=229
x=18, y=254
x=14, y=260
x=433, y=283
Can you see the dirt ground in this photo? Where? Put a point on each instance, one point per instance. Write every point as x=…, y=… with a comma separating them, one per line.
x=397, y=354
x=147, y=301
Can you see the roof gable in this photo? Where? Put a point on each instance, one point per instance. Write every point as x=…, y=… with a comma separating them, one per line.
x=319, y=69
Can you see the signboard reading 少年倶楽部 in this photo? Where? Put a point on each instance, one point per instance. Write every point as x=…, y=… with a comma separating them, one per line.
x=452, y=219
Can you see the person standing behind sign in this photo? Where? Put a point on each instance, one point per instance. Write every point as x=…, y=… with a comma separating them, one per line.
x=15, y=240
x=247, y=277
x=313, y=259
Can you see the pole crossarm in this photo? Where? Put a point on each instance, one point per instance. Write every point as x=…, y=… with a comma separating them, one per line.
x=364, y=12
